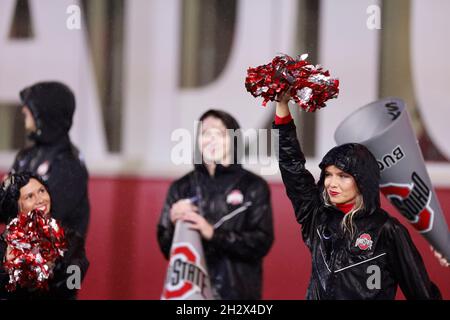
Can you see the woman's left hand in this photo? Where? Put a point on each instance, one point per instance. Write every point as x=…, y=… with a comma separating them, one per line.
x=200, y=224
x=50, y=265
x=441, y=258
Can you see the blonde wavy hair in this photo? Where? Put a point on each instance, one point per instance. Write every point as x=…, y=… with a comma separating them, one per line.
x=347, y=223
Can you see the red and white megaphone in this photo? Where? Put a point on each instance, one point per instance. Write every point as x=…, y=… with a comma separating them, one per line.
x=187, y=276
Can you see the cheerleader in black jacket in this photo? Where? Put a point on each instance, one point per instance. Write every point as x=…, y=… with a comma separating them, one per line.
x=24, y=192
x=358, y=250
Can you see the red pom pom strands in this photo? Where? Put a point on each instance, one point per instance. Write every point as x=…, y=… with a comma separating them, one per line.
x=34, y=242
x=309, y=86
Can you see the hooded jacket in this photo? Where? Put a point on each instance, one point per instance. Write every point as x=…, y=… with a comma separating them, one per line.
x=378, y=257
x=234, y=256
x=52, y=155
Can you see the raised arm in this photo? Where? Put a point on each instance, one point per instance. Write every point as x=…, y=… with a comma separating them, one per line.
x=299, y=182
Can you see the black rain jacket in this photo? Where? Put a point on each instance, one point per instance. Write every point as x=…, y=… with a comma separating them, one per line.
x=378, y=257
x=234, y=255
x=52, y=155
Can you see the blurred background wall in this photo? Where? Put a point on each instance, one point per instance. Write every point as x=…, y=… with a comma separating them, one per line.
x=142, y=69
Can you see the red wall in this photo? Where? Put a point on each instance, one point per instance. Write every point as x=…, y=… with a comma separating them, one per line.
x=126, y=262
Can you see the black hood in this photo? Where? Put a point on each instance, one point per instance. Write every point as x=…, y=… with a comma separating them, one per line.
x=356, y=160
x=52, y=105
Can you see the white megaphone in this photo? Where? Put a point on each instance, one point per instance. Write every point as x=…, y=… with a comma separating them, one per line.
x=187, y=275
x=385, y=129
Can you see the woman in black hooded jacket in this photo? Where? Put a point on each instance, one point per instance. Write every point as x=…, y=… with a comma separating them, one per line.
x=48, y=109
x=358, y=250
x=233, y=212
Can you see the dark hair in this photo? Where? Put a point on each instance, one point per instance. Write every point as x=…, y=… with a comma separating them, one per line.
x=10, y=193
x=231, y=124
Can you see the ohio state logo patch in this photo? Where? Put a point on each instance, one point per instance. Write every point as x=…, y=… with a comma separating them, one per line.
x=43, y=168
x=364, y=242
x=235, y=197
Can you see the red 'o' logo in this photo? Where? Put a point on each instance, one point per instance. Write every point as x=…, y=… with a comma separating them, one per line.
x=364, y=242
x=177, y=286
x=413, y=201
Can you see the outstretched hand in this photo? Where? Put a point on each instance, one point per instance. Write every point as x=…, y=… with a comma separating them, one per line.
x=282, y=105
x=285, y=97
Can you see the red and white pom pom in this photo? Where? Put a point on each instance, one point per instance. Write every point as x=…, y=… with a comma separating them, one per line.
x=35, y=242
x=308, y=85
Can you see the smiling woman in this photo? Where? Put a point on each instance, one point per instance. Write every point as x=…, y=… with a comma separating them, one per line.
x=234, y=244
x=34, y=196
x=26, y=196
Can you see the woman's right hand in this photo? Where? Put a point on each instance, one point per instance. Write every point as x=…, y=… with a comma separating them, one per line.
x=9, y=256
x=180, y=208
x=282, y=109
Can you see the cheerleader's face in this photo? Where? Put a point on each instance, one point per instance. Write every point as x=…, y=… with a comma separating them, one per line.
x=340, y=186
x=34, y=196
x=30, y=123
x=214, y=142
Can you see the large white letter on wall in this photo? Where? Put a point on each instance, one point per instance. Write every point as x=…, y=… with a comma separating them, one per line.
x=263, y=29
x=155, y=106
x=349, y=49
x=430, y=50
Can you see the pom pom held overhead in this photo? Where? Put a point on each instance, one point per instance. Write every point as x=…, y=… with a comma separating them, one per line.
x=308, y=85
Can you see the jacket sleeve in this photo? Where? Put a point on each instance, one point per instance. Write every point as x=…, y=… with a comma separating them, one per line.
x=256, y=238
x=408, y=266
x=299, y=182
x=74, y=260
x=21, y=157
x=4, y=277
x=68, y=185
x=15, y=165
x=165, y=226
